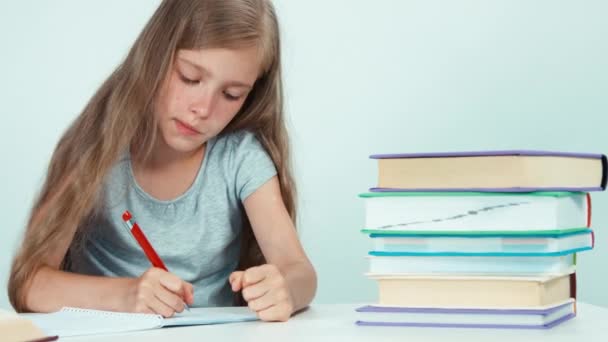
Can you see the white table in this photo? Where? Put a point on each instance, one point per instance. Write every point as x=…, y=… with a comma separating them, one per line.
x=336, y=323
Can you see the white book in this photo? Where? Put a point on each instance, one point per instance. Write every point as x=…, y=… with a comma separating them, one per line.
x=402, y=212
x=503, y=265
x=484, y=244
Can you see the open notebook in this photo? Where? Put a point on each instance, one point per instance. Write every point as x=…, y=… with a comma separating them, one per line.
x=74, y=321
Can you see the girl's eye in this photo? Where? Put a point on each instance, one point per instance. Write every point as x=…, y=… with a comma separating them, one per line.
x=231, y=97
x=188, y=81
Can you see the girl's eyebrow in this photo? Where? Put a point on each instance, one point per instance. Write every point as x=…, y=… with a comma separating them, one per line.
x=207, y=72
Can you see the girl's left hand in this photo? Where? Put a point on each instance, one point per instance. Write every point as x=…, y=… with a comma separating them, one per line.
x=266, y=292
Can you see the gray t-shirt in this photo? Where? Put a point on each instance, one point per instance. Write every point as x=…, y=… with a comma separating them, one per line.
x=197, y=235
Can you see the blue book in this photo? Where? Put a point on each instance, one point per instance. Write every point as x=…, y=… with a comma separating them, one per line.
x=435, y=317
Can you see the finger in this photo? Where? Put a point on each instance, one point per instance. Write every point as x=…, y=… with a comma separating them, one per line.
x=256, y=274
x=280, y=312
x=272, y=297
x=154, y=271
x=236, y=280
x=256, y=291
x=172, y=282
x=170, y=299
x=142, y=308
x=189, y=296
x=187, y=292
x=159, y=307
x=261, y=303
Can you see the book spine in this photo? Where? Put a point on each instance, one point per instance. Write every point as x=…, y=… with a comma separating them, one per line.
x=604, y=172
x=588, y=210
x=573, y=285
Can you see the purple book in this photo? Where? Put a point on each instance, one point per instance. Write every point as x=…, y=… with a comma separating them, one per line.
x=534, y=318
x=600, y=157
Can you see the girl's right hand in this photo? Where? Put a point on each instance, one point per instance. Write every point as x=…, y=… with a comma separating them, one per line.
x=160, y=292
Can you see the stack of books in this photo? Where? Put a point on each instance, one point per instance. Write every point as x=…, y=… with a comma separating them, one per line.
x=479, y=239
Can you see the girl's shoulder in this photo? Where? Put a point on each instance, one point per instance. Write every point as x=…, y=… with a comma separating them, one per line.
x=237, y=143
x=243, y=162
x=241, y=151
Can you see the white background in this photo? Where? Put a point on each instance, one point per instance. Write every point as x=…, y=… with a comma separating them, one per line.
x=361, y=77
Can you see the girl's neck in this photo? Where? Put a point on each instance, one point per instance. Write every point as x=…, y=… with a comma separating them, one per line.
x=167, y=173
x=163, y=156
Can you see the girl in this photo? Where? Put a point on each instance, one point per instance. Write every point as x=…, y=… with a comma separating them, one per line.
x=188, y=134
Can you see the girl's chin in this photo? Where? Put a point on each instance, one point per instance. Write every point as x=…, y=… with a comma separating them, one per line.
x=179, y=144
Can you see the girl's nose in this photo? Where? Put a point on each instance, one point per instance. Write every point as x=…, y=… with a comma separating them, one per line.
x=204, y=104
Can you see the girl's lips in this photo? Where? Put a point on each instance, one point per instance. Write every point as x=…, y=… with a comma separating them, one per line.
x=185, y=129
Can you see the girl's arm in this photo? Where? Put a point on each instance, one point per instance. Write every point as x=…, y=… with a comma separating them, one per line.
x=52, y=289
x=156, y=291
x=288, y=282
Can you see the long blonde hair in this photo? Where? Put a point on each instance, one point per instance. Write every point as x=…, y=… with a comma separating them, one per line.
x=119, y=116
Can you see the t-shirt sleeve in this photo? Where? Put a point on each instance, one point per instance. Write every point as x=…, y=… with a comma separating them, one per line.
x=254, y=167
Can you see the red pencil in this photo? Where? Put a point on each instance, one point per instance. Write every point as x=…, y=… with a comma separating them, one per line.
x=143, y=241
x=134, y=229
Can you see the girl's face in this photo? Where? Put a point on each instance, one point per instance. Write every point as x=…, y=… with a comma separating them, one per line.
x=202, y=93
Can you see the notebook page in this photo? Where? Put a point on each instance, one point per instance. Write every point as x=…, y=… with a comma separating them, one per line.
x=75, y=322
x=212, y=315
